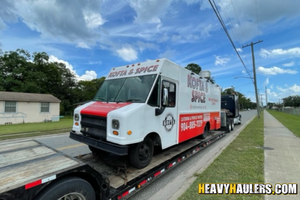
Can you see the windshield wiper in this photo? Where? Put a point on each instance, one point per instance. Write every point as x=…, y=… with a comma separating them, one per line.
x=133, y=100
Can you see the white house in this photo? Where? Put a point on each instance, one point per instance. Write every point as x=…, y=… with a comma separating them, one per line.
x=18, y=107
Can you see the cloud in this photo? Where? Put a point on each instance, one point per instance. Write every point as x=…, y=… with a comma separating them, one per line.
x=127, y=53
x=290, y=64
x=294, y=88
x=221, y=61
x=266, y=82
x=145, y=45
x=239, y=49
x=248, y=19
x=167, y=54
x=83, y=45
x=275, y=70
x=89, y=75
x=149, y=11
x=294, y=52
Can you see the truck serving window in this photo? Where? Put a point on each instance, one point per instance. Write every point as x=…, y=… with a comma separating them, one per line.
x=130, y=89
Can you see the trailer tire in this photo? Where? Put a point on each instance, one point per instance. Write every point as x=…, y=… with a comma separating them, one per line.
x=205, y=133
x=68, y=188
x=140, y=155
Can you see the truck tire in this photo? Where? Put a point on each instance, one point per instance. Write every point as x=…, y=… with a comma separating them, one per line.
x=68, y=188
x=232, y=124
x=228, y=126
x=205, y=133
x=140, y=155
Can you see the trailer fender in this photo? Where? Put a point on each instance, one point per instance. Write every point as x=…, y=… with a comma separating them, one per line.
x=68, y=188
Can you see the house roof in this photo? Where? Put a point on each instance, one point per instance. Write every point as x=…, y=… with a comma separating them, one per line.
x=28, y=97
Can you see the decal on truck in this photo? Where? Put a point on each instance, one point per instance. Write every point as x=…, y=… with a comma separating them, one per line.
x=200, y=88
x=140, y=70
x=169, y=122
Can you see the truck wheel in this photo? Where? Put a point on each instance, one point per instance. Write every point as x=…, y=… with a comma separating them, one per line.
x=68, y=188
x=204, y=135
x=140, y=155
x=228, y=126
x=232, y=125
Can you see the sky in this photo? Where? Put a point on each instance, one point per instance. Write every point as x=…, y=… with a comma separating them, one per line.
x=93, y=36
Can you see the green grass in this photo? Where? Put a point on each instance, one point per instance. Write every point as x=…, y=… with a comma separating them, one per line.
x=292, y=122
x=35, y=129
x=241, y=162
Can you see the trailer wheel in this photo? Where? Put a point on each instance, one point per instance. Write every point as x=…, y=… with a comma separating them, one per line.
x=68, y=188
x=140, y=155
x=206, y=131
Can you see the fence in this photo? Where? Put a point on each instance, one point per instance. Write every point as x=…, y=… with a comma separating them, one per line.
x=293, y=111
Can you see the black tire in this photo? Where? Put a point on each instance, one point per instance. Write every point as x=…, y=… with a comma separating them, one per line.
x=68, y=188
x=232, y=124
x=140, y=155
x=205, y=133
x=228, y=126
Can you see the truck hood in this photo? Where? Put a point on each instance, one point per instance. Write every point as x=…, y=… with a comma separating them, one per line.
x=102, y=108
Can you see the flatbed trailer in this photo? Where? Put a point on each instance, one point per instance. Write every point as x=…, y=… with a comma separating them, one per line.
x=32, y=170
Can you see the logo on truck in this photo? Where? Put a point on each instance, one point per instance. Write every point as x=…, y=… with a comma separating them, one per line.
x=200, y=88
x=169, y=122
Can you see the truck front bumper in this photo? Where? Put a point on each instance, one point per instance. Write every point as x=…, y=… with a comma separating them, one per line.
x=99, y=144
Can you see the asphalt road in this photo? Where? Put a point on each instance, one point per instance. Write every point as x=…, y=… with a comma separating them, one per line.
x=173, y=183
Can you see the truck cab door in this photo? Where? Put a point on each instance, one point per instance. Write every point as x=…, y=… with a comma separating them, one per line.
x=169, y=115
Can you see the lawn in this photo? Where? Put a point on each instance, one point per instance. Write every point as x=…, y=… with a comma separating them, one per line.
x=292, y=122
x=34, y=129
x=241, y=162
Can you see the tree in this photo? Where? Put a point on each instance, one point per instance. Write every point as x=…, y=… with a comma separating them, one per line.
x=293, y=101
x=194, y=68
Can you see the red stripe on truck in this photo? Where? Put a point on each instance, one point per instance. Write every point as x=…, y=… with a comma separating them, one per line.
x=102, y=108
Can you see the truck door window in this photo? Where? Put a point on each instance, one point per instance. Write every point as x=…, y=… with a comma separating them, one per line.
x=154, y=97
x=171, y=93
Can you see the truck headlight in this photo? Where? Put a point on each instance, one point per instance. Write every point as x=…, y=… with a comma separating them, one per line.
x=76, y=117
x=115, y=124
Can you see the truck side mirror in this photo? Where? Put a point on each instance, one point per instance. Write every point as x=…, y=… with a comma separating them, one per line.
x=165, y=98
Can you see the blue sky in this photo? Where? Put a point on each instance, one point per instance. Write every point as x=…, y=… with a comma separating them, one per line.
x=91, y=37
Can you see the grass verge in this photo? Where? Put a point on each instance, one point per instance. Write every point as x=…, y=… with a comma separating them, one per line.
x=241, y=162
x=288, y=120
x=35, y=129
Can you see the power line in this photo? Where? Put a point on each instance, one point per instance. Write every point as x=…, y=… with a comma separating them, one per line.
x=215, y=8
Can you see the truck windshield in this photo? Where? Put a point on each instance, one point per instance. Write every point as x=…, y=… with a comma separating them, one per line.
x=131, y=89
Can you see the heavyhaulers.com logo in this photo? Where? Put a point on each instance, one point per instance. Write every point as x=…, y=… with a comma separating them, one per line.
x=257, y=188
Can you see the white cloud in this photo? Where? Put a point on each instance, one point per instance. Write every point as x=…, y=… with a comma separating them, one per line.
x=266, y=82
x=83, y=45
x=294, y=88
x=149, y=11
x=278, y=52
x=89, y=75
x=290, y=64
x=239, y=49
x=275, y=70
x=221, y=61
x=127, y=53
x=248, y=19
x=93, y=20
x=144, y=45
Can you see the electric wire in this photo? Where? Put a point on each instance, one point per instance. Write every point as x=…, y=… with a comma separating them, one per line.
x=215, y=8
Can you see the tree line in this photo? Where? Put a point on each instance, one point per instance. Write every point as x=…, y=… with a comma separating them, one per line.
x=22, y=72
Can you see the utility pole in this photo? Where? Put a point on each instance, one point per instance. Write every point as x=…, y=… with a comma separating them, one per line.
x=266, y=91
x=254, y=75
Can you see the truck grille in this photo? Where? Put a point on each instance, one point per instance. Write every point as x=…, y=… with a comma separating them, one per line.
x=93, y=126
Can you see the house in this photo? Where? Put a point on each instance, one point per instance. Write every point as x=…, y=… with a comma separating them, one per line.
x=18, y=107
